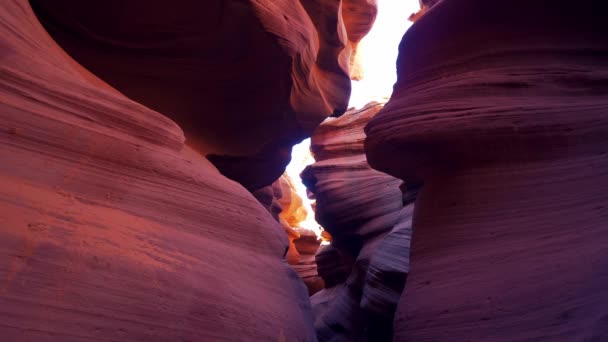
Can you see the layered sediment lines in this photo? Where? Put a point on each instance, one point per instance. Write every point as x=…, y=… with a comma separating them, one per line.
x=246, y=80
x=112, y=229
x=501, y=110
x=359, y=17
x=307, y=244
x=285, y=205
x=366, y=264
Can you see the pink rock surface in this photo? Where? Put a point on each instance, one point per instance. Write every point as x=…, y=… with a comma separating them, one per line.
x=112, y=229
x=285, y=205
x=366, y=265
x=246, y=80
x=359, y=17
x=501, y=110
x=307, y=246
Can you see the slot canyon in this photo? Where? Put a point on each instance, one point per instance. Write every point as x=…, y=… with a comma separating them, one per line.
x=144, y=194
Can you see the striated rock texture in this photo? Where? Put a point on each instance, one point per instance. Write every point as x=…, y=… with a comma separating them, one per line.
x=501, y=109
x=366, y=265
x=359, y=17
x=246, y=80
x=307, y=245
x=285, y=205
x=292, y=212
x=111, y=229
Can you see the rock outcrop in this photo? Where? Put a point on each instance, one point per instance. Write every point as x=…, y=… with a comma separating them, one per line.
x=425, y=6
x=112, y=229
x=246, y=80
x=307, y=244
x=366, y=265
x=501, y=110
x=359, y=17
x=285, y=205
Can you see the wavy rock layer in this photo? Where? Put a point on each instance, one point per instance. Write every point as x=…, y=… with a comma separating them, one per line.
x=366, y=265
x=359, y=17
x=285, y=205
x=112, y=230
x=245, y=79
x=307, y=245
x=501, y=109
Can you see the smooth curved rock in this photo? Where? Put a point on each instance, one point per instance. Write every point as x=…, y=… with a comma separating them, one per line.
x=246, y=80
x=366, y=265
x=285, y=205
x=293, y=212
x=359, y=17
x=333, y=265
x=501, y=110
x=111, y=229
x=349, y=204
x=307, y=245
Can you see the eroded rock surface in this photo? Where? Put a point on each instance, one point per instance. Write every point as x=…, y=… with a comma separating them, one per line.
x=501, y=110
x=366, y=265
x=359, y=17
x=112, y=229
x=246, y=80
x=307, y=245
x=285, y=205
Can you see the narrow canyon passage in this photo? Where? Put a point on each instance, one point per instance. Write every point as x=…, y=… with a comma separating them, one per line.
x=308, y=170
x=366, y=220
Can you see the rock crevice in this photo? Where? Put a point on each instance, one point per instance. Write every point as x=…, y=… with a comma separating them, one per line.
x=366, y=265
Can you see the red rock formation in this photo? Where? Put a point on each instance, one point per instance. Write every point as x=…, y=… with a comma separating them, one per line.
x=307, y=245
x=359, y=17
x=293, y=212
x=501, y=109
x=245, y=79
x=366, y=265
x=282, y=201
x=111, y=229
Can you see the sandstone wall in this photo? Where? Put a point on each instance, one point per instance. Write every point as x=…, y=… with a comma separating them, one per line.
x=500, y=108
x=366, y=265
x=111, y=228
x=285, y=205
x=246, y=80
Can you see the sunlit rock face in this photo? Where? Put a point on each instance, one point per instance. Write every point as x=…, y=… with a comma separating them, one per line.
x=285, y=205
x=307, y=245
x=246, y=80
x=425, y=6
x=111, y=229
x=304, y=242
x=359, y=17
x=366, y=264
x=501, y=109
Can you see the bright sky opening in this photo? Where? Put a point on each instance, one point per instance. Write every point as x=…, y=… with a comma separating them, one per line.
x=378, y=52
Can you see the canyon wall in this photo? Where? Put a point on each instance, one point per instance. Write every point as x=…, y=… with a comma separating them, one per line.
x=359, y=17
x=112, y=227
x=366, y=265
x=285, y=206
x=501, y=110
x=246, y=80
